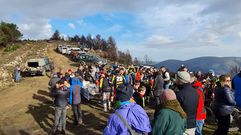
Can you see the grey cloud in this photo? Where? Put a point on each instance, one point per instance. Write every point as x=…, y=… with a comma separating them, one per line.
x=69, y=9
x=223, y=6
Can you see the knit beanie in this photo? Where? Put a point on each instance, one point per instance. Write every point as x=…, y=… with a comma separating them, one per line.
x=168, y=95
x=124, y=92
x=183, y=76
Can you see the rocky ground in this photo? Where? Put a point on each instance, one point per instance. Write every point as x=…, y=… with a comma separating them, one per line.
x=27, y=109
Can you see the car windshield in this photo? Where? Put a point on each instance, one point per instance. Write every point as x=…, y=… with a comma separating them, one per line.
x=33, y=64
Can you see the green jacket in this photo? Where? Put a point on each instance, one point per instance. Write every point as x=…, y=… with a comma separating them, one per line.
x=168, y=122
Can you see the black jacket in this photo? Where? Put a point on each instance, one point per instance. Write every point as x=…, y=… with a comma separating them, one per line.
x=61, y=97
x=223, y=101
x=188, y=99
x=137, y=97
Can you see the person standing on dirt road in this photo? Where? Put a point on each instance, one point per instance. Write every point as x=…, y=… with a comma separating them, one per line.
x=223, y=104
x=129, y=117
x=106, y=90
x=52, y=82
x=17, y=73
x=60, y=102
x=75, y=100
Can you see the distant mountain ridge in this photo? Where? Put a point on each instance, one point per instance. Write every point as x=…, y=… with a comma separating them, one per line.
x=220, y=65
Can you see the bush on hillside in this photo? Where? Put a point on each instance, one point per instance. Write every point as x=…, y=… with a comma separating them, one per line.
x=11, y=48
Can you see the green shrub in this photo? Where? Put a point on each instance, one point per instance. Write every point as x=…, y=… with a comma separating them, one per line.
x=12, y=47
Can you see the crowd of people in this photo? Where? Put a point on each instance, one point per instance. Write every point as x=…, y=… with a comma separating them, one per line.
x=179, y=98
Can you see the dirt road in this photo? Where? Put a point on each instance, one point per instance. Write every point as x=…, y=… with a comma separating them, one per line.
x=26, y=108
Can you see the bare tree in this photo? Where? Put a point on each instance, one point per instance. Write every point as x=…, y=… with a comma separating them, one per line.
x=136, y=61
x=147, y=60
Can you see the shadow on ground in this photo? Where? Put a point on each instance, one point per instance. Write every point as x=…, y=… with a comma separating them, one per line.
x=43, y=113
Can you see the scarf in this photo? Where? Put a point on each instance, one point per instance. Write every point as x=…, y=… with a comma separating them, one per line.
x=118, y=104
x=173, y=105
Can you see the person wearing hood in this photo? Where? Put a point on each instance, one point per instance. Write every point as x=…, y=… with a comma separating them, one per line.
x=169, y=117
x=75, y=99
x=129, y=117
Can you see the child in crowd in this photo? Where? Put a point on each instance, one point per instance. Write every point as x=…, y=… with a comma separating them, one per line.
x=139, y=96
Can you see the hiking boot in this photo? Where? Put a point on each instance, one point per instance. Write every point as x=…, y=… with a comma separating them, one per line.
x=105, y=107
x=80, y=121
x=109, y=106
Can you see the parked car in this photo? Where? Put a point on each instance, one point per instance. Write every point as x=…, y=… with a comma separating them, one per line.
x=90, y=59
x=64, y=49
x=38, y=66
x=59, y=48
x=69, y=50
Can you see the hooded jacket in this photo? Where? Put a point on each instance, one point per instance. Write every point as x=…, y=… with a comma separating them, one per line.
x=201, y=112
x=134, y=115
x=75, y=89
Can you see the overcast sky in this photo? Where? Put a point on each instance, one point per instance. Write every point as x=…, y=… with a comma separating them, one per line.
x=162, y=29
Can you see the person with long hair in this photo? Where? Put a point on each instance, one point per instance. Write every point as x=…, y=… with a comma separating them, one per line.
x=223, y=104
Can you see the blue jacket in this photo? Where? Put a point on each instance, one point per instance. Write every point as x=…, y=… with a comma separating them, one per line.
x=134, y=115
x=237, y=88
x=74, y=81
x=223, y=101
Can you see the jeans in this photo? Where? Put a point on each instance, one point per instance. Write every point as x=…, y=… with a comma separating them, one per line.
x=17, y=76
x=59, y=118
x=199, y=127
x=157, y=94
x=166, y=86
x=106, y=97
x=77, y=113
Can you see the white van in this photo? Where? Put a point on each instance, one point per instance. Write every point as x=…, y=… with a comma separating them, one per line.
x=64, y=49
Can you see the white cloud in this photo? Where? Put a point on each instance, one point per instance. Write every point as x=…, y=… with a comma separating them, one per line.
x=157, y=41
x=175, y=24
x=35, y=28
x=71, y=25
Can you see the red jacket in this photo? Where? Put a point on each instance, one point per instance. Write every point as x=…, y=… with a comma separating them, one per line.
x=201, y=112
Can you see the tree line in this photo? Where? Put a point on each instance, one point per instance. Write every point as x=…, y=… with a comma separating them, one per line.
x=108, y=47
x=9, y=33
